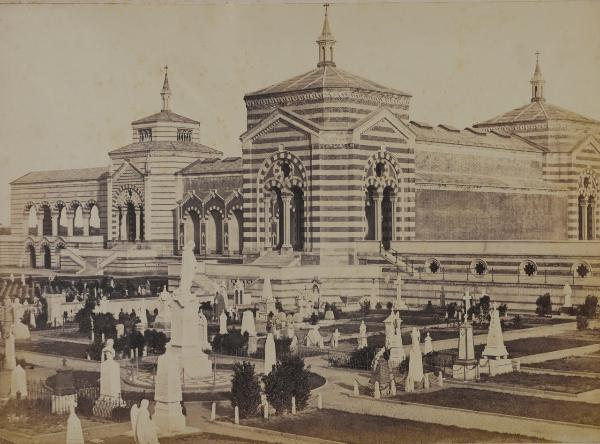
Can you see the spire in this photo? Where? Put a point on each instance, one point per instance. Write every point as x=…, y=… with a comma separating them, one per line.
x=165, y=94
x=537, y=82
x=326, y=42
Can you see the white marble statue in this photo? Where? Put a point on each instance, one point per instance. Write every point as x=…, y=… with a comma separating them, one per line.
x=415, y=364
x=495, y=347
x=428, y=346
x=294, y=345
x=223, y=323
x=110, y=373
x=18, y=383
x=270, y=353
x=248, y=323
x=568, y=295
x=74, y=430
x=188, y=268
x=203, y=331
x=362, y=335
x=397, y=354
x=145, y=430
x=10, y=358
x=335, y=339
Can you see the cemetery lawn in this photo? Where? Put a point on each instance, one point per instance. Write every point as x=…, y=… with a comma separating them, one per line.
x=555, y=383
x=571, y=364
x=359, y=429
x=203, y=438
x=509, y=404
x=67, y=349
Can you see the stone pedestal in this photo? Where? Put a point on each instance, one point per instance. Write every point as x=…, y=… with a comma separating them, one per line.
x=168, y=415
x=466, y=366
x=495, y=367
x=169, y=418
x=62, y=403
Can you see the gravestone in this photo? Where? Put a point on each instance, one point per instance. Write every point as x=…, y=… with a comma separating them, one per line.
x=10, y=358
x=270, y=354
x=145, y=429
x=64, y=391
x=362, y=335
x=248, y=323
x=18, y=383
x=110, y=382
x=465, y=367
x=495, y=356
x=397, y=354
x=168, y=396
x=415, y=363
x=399, y=303
x=335, y=338
x=223, y=323
x=389, y=329
x=314, y=338
x=428, y=346
x=74, y=430
x=568, y=292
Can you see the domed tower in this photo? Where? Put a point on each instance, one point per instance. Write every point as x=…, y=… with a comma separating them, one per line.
x=323, y=150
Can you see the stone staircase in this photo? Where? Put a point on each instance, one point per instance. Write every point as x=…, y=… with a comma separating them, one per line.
x=275, y=259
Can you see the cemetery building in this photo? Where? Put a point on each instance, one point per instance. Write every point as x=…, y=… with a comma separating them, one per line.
x=338, y=187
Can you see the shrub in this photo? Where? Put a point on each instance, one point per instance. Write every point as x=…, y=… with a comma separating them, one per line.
x=231, y=343
x=517, y=321
x=282, y=346
x=278, y=305
x=543, y=305
x=245, y=389
x=95, y=349
x=589, y=307
x=314, y=319
x=83, y=316
x=156, y=341
x=378, y=306
x=337, y=312
x=389, y=305
x=288, y=378
x=362, y=357
x=429, y=307
x=451, y=310
x=365, y=306
x=502, y=309
x=582, y=323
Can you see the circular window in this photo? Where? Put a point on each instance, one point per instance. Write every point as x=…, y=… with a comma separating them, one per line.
x=528, y=268
x=433, y=265
x=479, y=267
x=581, y=270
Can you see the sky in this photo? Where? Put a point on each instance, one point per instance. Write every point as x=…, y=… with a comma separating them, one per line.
x=73, y=77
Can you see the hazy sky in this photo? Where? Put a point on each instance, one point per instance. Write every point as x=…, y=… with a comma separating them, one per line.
x=73, y=77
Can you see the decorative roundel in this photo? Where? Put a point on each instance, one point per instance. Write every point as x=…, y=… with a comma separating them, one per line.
x=479, y=267
x=432, y=265
x=581, y=269
x=528, y=268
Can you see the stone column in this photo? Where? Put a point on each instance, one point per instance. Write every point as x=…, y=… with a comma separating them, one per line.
x=138, y=212
x=592, y=210
x=377, y=209
x=85, y=216
x=267, y=203
x=40, y=224
x=583, y=209
x=124, y=234
x=70, y=218
x=55, y=224
x=287, y=202
x=393, y=202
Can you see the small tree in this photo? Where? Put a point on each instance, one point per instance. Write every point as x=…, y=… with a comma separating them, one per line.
x=582, y=323
x=245, y=389
x=389, y=305
x=378, y=306
x=590, y=306
x=365, y=306
x=288, y=378
x=543, y=305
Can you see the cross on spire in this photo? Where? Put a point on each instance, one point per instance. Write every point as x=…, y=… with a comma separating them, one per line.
x=326, y=42
x=537, y=81
x=165, y=94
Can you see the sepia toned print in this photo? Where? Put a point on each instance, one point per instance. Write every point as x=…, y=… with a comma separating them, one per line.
x=343, y=269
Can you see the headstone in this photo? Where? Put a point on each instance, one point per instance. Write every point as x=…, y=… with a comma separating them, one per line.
x=253, y=344
x=248, y=323
x=32, y=323
x=290, y=331
x=236, y=415
x=415, y=363
x=18, y=383
x=319, y=400
x=374, y=296
x=74, y=430
x=428, y=346
x=120, y=330
x=21, y=331
x=168, y=395
x=213, y=412
x=495, y=356
x=568, y=292
x=64, y=391
x=293, y=405
x=393, y=387
x=145, y=429
x=362, y=335
x=10, y=358
x=397, y=354
x=110, y=374
x=335, y=338
x=376, y=391
x=270, y=353
x=465, y=367
x=223, y=323
x=389, y=329
x=294, y=345
x=356, y=391
x=314, y=338
x=399, y=303
x=203, y=331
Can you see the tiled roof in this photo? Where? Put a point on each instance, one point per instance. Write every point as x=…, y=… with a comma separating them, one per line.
x=62, y=175
x=468, y=136
x=165, y=145
x=207, y=166
x=165, y=116
x=325, y=77
x=427, y=177
x=534, y=112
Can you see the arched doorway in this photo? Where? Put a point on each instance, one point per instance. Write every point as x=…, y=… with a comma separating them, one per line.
x=130, y=211
x=61, y=223
x=31, y=253
x=78, y=221
x=194, y=227
x=57, y=251
x=94, y=221
x=131, y=222
x=32, y=222
x=214, y=233
x=47, y=256
x=235, y=231
x=46, y=221
x=297, y=219
x=370, y=212
x=387, y=214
